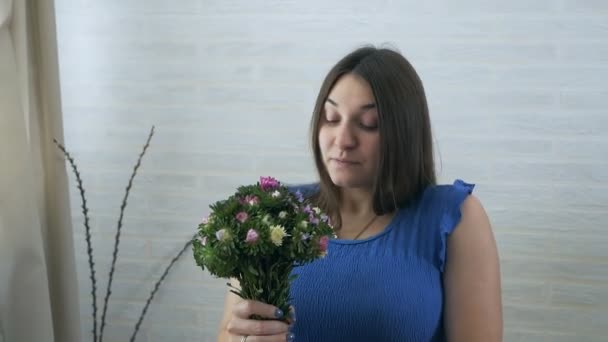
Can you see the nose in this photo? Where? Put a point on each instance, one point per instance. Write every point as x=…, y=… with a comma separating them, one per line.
x=345, y=137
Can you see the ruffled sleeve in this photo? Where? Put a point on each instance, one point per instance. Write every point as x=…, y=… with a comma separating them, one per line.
x=453, y=199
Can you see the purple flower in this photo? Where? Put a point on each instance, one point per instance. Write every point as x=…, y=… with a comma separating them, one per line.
x=242, y=216
x=313, y=219
x=299, y=196
x=305, y=236
x=308, y=210
x=324, y=218
x=252, y=236
x=268, y=183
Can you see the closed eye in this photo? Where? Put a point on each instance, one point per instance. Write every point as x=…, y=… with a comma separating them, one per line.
x=369, y=127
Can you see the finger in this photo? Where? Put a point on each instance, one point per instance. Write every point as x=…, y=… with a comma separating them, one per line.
x=246, y=308
x=292, y=315
x=290, y=337
x=252, y=327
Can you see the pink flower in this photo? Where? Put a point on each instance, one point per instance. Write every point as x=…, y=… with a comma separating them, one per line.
x=252, y=236
x=205, y=220
x=203, y=240
x=323, y=241
x=250, y=199
x=268, y=183
x=242, y=216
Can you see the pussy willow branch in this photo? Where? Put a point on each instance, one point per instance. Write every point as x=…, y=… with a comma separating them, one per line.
x=157, y=285
x=87, y=230
x=117, y=240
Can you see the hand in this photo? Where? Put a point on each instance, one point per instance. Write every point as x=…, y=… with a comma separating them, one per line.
x=241, y=324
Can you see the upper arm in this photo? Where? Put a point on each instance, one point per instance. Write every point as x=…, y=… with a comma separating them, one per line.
x=229, y=302
x=473, y=309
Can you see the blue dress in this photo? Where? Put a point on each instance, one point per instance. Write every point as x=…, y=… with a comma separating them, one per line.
x=387, y=287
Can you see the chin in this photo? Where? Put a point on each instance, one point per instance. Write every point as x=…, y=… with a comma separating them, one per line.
x=347, y=182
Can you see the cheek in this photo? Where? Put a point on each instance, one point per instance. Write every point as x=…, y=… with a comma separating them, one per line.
x=323, y=140
x=373, y=148
x=372, y=142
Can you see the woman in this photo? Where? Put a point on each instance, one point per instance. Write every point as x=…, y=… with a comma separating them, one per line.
x=413, y=260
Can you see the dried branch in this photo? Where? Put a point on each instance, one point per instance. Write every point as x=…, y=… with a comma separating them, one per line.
x=157, y=285
x=87, y=230
x=117, y=240
x=116, y=245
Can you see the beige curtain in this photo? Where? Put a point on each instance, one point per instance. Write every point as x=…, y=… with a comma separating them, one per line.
x=38, y=286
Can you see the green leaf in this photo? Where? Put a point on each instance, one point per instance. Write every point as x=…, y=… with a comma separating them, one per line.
x=253, y=270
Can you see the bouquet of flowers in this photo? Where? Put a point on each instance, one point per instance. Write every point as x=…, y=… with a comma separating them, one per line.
x=257, y=236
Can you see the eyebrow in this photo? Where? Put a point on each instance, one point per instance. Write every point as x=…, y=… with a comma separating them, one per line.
x=364, y=107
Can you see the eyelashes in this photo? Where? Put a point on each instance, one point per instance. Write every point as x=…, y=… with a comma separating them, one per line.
x=369, y=127
x=363, y=125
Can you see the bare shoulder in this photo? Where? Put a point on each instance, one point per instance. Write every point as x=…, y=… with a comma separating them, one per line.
x=474, y=218
x=473, y=234
x=472, y=238
x=472, y=208
x=472, y=278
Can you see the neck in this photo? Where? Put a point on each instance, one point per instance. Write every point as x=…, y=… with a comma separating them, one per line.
x=357, y=202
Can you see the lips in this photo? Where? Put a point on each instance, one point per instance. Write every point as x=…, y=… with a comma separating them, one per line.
x=344, y=161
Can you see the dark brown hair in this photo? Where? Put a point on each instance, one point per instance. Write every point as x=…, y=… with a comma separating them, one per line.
x=406, y=165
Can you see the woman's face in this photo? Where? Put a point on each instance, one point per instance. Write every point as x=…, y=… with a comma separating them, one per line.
x=349, y=137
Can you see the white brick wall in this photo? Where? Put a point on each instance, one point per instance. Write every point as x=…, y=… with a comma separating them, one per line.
x=517, y=91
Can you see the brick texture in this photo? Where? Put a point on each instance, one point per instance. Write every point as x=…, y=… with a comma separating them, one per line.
x=517, y=92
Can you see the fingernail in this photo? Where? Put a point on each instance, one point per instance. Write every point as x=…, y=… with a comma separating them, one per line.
x=291, y=337
x=292, y=313
x=278, y=313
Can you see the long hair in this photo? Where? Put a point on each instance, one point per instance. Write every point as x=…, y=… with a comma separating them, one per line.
x=406, y=165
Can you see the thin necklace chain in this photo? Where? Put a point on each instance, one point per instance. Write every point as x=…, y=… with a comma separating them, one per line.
x=366, y=226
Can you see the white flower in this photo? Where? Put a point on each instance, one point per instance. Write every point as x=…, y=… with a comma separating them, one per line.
x=317, y=210
x=276, y=194
x=222, y=235
x=277, y=233
x=266, y=219
x=304, y=224
x=283, y=214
